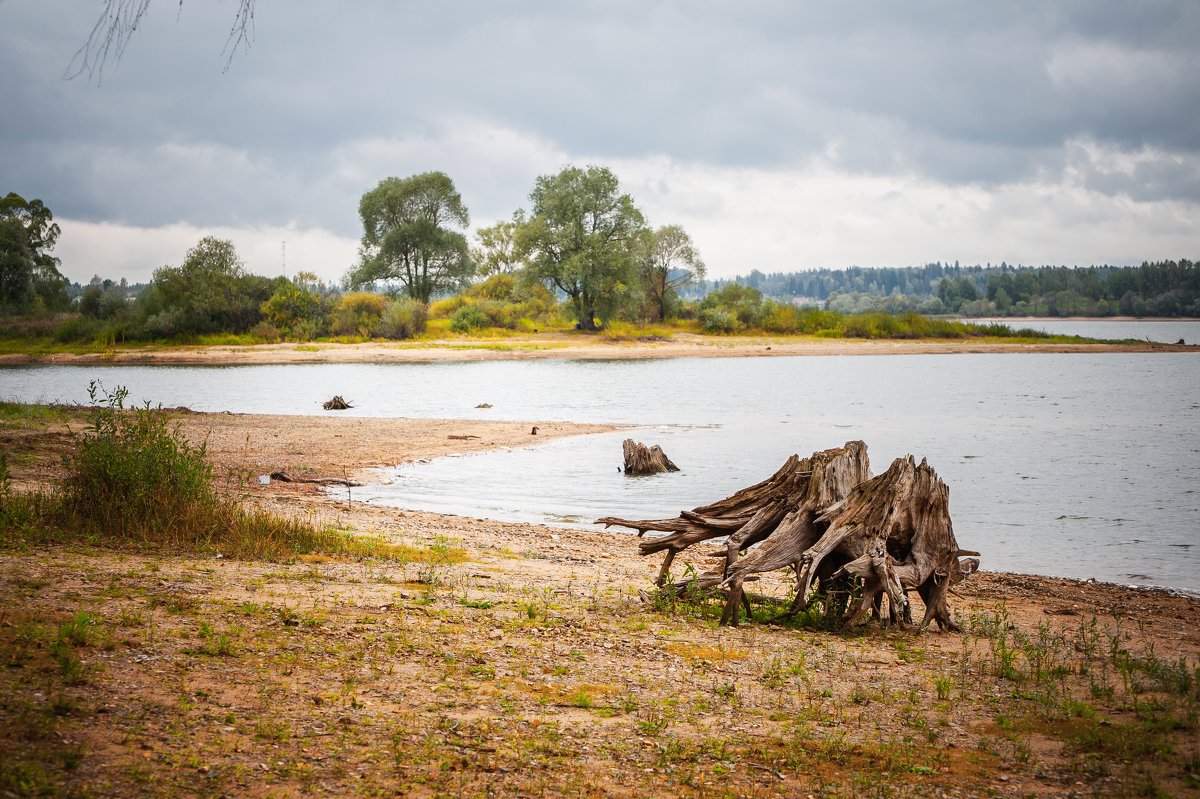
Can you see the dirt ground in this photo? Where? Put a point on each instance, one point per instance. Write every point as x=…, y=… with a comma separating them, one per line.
x=518, y=660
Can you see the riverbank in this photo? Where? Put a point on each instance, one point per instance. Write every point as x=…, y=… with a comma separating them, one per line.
x=514, y=659
x=569, y=346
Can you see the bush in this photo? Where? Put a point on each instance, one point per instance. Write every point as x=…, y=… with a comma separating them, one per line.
x=358, y=313
x=134, y=476
x=468, y=318
x=266, y=332
x=717, y=320
x=79, y=328
x=404, y=318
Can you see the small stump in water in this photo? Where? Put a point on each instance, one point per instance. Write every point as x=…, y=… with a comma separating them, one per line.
x=336, y=404
x=640, y=459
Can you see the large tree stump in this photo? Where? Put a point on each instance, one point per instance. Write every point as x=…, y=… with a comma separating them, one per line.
x=640, y=459
x=752, y=514
x=826, y=516
x=894, y=533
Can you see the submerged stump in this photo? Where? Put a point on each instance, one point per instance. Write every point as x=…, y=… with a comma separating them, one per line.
x=640, y=459
x=336, y=404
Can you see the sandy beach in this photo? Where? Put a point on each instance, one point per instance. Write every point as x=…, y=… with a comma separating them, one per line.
x=567, y=346
x=519, y=660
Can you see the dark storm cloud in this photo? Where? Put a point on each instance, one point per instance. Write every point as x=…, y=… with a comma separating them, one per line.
x=985, y=94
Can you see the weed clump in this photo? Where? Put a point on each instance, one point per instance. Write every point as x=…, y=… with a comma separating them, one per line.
x=135, y=481
x=133, y=476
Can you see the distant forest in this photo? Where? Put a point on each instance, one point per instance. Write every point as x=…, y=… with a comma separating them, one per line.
x=1162, y=288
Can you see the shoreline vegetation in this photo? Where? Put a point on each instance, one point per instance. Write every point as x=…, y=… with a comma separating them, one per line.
x=440, y=655
x=618, y=342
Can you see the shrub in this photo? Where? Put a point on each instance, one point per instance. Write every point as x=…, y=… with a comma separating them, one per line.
x=358, y=313
x=78, y=328
x=404, y=318
x=717, y=320
x=468, y=318
x=444, y=309
x=132, y=475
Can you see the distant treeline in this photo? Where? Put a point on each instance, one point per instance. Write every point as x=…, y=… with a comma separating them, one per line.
x=1162, y=288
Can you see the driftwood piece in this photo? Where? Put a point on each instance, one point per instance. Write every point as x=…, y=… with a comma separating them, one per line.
x=336, y=404
x=833, y=474
x=640, y=459
x=284, y=477
x=840, y=529
x=752, y=514
x=894, y=533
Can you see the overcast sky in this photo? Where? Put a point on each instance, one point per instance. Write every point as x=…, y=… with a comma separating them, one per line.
x=782, y=135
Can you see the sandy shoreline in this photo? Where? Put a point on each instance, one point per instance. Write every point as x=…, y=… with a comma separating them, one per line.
x=533, y=662
x=564, y=346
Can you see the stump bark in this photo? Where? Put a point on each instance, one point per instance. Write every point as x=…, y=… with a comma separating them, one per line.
x=640, y=459
x=753, y=514
x=894, y=533
x=837, y=526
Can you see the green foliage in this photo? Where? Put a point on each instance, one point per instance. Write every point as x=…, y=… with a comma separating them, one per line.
x=1163, y=288
x=29, y=276
x=403, y=318
x=209, y=293
x=132, y=476
x=357, y=314
x=668, y=261
x=468, y=318
x=584, y=238
x=134, y=481
x=296, y=311
x=499, y=252
x=411, y=235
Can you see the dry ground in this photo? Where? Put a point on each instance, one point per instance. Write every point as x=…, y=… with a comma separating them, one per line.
x=516, y=660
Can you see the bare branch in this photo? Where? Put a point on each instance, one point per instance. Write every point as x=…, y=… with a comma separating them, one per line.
x=119, y=20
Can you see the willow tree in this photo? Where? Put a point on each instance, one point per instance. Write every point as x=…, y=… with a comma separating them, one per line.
x=583, y=238
x=412, y=234
x=670, y=260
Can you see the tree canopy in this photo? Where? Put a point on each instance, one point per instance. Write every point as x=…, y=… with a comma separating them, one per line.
x=411, y=235
x=583, y=238
x=29, y=275
x=210, y=292
x=670, y=260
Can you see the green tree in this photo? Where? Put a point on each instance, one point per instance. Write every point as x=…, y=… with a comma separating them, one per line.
x=583, y=238
x=29, y=275
x=296, y=310
x=498, y=251
x=210, y=292
x=409, y=235
x=670, y=260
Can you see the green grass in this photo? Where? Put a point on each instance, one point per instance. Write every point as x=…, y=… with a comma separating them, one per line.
x=135, y=483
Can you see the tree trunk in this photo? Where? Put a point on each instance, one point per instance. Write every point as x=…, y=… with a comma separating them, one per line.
x=640, y=459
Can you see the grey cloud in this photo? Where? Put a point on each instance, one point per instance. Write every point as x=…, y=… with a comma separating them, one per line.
x=972, y=93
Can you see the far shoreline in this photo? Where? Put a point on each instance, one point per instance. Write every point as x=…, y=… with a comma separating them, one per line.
x=567, y=346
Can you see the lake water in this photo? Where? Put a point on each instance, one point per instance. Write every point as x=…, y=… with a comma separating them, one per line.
x=1163, y=331
x=1083, y=465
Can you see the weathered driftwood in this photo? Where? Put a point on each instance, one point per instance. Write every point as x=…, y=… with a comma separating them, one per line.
x=752, y=514
x=826, y=516
x=336, y=404
x=833, y=473
x=284, y=477
x=894, y=533
x=640, y=459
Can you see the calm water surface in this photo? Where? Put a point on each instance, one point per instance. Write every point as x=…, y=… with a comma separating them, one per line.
x=1163, y=331
x=1070, y=465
